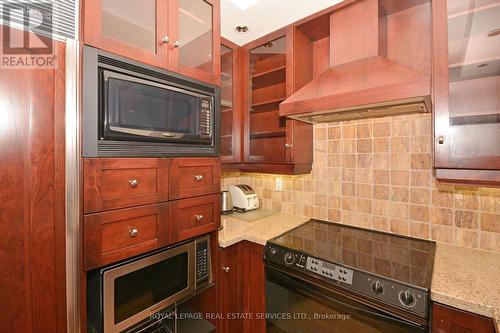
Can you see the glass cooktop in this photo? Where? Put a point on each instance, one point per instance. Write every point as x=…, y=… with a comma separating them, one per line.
x=404, y=259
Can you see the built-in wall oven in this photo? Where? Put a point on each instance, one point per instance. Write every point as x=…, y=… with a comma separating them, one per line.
x=132, y=295
x=132, y=109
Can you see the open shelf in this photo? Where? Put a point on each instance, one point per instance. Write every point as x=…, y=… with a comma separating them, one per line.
x=271, y=101
x=262, y=135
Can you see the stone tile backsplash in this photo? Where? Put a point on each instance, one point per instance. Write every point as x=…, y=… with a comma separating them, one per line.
x=378, y=174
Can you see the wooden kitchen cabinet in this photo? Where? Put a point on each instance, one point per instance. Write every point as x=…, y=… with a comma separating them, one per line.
x=270, y=143
x=449, y=320
x=467, y=98
x=273, y=143
x=230, y=289
x=231, y=102
x=179, y=35
x=111, y=183
x=242, y=288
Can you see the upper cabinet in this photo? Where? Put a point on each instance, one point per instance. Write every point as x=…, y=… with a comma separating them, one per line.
x=467, y=90
x=230, y=103
x=179, y=35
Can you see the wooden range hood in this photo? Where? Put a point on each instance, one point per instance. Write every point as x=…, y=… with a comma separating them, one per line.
x=362, y=82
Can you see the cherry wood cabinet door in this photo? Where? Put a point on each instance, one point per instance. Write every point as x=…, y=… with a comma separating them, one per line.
x=32, y=196
x=191, y=177
x=194, y=217
x=111, y=183
x=194, y=28
x=254, y=287
x=466, y=95
x=231, y=102
x=450, y=320
x=230, y=289
x=137, y=29
x=120, y=234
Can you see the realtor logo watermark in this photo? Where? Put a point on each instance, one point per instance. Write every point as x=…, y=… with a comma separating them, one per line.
x=26, y=35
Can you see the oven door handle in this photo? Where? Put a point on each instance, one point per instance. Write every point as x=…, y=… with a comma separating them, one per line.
x=303, y=287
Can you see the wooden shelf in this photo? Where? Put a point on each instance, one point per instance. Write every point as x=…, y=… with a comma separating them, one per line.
x=226, y=109
x=262, y=135
x=269, y=78
x=271, y=101
x=269, y=71
x=226, y=103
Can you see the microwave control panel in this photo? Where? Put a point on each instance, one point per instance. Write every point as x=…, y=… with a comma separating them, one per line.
x=205, y=121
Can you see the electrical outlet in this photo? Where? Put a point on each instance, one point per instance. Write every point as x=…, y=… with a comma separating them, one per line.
x=279, y=184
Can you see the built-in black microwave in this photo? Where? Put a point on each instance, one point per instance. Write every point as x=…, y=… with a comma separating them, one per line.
x=132, y=109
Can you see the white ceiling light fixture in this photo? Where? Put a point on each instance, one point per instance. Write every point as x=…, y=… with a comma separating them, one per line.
x=244, y=4
x=241, y=28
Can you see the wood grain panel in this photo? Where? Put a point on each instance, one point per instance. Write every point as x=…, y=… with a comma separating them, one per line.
x=230, y=288
x=191, y=177
x=32, y=248
x=254, y=287
x=108, y=182
x=108, y=237
x=194, y=217
x=449, y=320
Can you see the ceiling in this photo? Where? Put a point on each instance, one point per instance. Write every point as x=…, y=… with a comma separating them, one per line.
x=265, y=16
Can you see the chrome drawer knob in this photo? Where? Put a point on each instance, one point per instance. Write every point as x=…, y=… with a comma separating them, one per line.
x=133, y=183
x=198, y=178
x=199, y=218
x=177, y=44
x=288, y=145
x=165, y=40
x=440, y=139
x=226, y=269
x=133, y=232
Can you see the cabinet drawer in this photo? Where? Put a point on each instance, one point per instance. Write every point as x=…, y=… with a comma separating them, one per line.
x=191, y=177
x=124, y=182
x=120, y=234
x=193, y=217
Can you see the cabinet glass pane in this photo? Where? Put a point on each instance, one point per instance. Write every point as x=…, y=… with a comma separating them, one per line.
x=474, y=74
x=130, y=21
x=195, y=34
x=268, y=90
x=227, y=100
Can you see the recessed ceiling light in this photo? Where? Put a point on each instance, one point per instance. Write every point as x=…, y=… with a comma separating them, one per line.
x=244, y=4
x=493, y=33
x=241, y=28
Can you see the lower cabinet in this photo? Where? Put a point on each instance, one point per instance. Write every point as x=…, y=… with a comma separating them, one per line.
x=242, y=289
x=450, y=320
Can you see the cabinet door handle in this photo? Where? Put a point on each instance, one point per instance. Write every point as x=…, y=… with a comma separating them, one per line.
x=133, y=233
x=133, y=183
x=288, y=145
x=199, y=218
x=165, y=40
x=198, y=178
x=226, y=269
x=440, y=139
x=177, y=44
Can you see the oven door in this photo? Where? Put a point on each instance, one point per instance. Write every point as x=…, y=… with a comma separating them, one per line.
x=134, y=291
x=297, y=306
x=135, y=109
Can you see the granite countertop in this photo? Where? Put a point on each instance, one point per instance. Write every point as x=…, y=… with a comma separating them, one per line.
x=467, y=279
x=464, y=278
x=259, y=231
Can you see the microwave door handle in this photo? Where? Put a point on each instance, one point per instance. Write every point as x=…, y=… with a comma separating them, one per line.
x=305, y=289
x=146, y=133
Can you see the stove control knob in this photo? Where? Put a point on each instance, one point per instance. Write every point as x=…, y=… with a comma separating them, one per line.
x=377, y=287
x=274, y=251
x=406, y=298
x=289, y=258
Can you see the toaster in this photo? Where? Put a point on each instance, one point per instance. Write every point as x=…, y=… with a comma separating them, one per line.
x=244, y=197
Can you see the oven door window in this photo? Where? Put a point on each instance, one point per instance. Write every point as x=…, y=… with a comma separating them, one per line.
x=143, y=288
x=295, y=306
x=140, y=110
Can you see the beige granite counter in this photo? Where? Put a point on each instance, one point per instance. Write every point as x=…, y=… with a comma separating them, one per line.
x=467, y=279
x=235, y=230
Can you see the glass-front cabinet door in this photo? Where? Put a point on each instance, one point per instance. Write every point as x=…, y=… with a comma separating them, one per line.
x=135, y=29
x=467, y=105
x=266, y=139
x=195, y=31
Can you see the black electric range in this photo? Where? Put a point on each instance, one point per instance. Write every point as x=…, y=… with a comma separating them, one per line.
x=379, y=278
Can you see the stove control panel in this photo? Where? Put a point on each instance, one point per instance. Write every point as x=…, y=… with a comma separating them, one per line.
x=330, y=271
